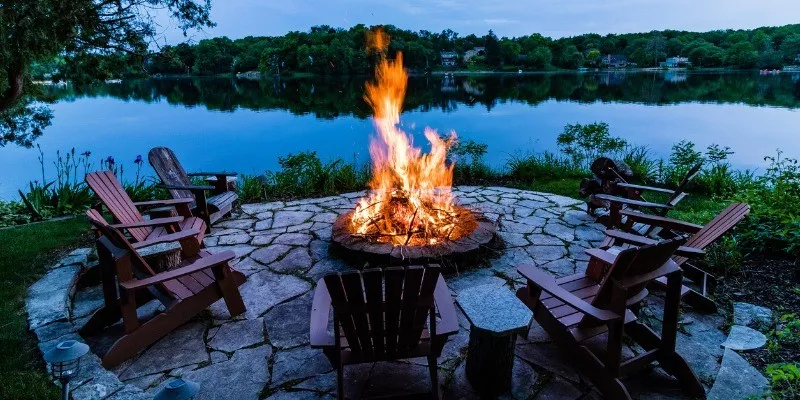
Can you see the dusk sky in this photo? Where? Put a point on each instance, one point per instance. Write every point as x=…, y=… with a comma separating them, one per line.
x=239, y=18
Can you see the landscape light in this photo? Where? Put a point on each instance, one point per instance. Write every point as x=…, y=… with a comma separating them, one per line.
x=65, y=361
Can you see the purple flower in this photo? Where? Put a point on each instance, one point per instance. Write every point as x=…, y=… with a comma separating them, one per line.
x=138, y=159
x=86, y=154
x=110, y=160
x=36, y=182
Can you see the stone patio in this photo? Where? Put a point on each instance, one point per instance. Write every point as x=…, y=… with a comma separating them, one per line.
x=283, y=249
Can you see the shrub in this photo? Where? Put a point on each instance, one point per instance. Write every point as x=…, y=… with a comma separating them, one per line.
x=529, y=168
x=644, y=167
x=304, y=174
x=784, y=380
x=584, y=143
x=470, y=166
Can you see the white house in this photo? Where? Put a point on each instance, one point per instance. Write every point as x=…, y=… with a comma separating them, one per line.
x=449, y=58
x=477, y=51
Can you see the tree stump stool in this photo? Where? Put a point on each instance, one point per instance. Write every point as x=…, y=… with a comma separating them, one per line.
x=162, y=256
x=496, y=316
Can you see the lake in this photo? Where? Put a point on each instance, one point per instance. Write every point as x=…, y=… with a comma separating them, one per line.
x=243, y=125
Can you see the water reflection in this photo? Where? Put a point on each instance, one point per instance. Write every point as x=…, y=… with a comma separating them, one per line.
x=331, y=97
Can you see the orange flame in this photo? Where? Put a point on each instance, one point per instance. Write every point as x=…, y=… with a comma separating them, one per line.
x=411, y=201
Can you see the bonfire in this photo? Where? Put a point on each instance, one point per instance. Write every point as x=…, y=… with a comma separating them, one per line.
x=410, y=202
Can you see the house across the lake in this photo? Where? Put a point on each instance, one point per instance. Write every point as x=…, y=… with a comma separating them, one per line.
x=477, y=51
x=449, y=58
x=615, y=61
x=676, y=62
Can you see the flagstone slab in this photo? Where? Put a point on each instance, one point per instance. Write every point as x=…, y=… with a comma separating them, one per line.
x=744, y=338
x=737, y=379
x=753, y=316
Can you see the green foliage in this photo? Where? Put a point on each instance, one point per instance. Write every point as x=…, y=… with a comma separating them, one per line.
x=742, y=55
x=531, y=168
x=643, y=165
x=584, y=143
x=774, y=225
x=250, y=188
x=725, y=256
x=784, y=380
x=470, y=166
x=304, y=174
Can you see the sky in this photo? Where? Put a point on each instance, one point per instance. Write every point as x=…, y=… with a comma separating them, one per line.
x=554, y=18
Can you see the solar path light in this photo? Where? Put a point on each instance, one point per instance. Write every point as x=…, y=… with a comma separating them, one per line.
x=65, y=362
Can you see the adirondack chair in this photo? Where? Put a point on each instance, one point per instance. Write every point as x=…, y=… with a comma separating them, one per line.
x=577, y=308
x=380, y=315
x=702, y=237
x=129, y=282
x=176, y=180
x=108, y=189
x=635, y=200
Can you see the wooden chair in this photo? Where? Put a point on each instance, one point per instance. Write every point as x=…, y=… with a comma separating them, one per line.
x=106, y=186
x=636, y=200
x=129, y=282
x=178, y=182
x=380, y=315
x=693, y=250
x=577, y=308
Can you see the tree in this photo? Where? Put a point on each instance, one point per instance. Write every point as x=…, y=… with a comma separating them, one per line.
x=656, y=49
x=593, y=58
x=540, y=58
x=706, y=55
x=741, y=55
x=571, y=58
x=790, y=47
x=214, y=56
x=510, y=51
x=493, y=55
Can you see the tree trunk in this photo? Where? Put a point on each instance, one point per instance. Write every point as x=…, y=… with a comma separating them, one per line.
x=15, y=74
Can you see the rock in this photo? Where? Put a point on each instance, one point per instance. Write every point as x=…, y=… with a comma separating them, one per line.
x=248, y=266
x=524, y=380
x=545, y=240
x=744, y=338
x=396, y=379
x=130, y=393
x=87, y=301
x=752, y=316
x=222, y=232
x=263, y=290
x=513, y=239
x=48, y=298
x=589, y=233
x=294, y=239
x=322, y=383
x=549, y=357
x=560, y=268
x=287, y=324
x=319, y=249
x=54, y=330
x=559, y=389
x=289, y=218
x=298, y=363
x=238, y=334
x=242, y=377
x=327, y=266
x=296, y=260
x=560, y=231
x=328, y=217
x=240, y=250
x=543, y=254
x=210, y=241
x=563, y=201
x=474, y=278
x=269, y=254
x=298, y=395
x=183, y=346
x=301, y=227
x=245, y=223
x=261, y=207
x=737, y=379
x=102, y=384
x=263, y=240
x=263, y=224
x=145, y=382
x=229, y=240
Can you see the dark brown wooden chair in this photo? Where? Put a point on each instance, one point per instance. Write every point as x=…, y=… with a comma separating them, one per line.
x=177, y=181
x=126, y=213
x=635, y=199
x=694, y=249
x=129, y=282
x=577, y=308
x=381, y=315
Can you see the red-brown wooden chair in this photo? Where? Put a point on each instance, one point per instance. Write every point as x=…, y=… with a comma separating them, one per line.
x=129, y=282
x=128, y=217
x=178, y=183
x=694, y=249
x=635, y=199
x=576, y=308
x=381, y=315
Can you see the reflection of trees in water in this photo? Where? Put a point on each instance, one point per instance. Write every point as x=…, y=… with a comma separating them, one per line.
x=334, y=97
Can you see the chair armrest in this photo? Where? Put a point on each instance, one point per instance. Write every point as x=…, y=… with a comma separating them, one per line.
x=172, y=237
x=602, y=255
x=213, y=174
x=630, y=202
x=663, y=222
x=690, y=252
x=168, y=202
x=446, y=306
x=630, y=238
x=545, y=282
x=320, y=312
x=150, y=222
x=644, y=188
x=187, y=187
x=199, y=265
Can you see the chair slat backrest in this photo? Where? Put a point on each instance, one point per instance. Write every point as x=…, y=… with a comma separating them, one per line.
x=170, y=170
x=633, y=262
x=680, y=191
x=382, y=313
x=717, y=227
x=106, y=186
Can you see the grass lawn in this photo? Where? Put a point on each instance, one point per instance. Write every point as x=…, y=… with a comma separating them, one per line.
x=25, y=254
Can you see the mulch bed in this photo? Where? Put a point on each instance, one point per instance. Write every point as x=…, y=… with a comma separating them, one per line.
x=771, y=283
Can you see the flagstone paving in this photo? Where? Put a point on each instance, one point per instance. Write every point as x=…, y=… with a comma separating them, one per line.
x=283, y=249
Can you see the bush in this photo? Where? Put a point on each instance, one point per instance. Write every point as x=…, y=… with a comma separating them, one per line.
x=470, y=167
x=545, y=166
x=584, y=143
x=784, y=380
x=303, y=174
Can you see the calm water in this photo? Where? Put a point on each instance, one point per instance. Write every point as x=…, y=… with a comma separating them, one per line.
x=241, y=125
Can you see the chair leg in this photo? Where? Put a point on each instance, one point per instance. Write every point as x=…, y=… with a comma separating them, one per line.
x=433, y=369
x=340, y=380
x=230, y=292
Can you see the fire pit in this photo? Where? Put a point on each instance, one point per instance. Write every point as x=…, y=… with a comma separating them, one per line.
x=410, y=214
